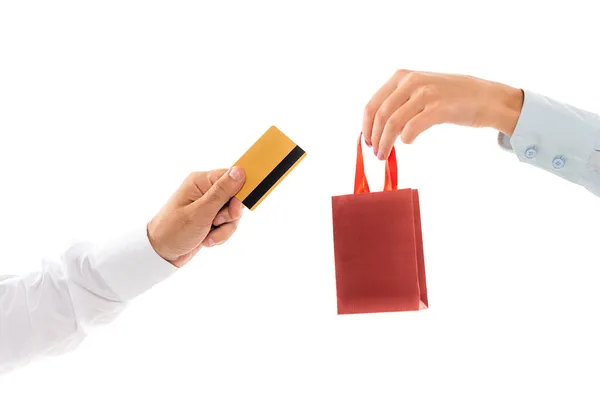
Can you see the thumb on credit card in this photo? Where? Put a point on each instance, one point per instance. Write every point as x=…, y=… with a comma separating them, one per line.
x=221, y=192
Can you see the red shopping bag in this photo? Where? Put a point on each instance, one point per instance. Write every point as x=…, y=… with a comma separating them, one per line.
x=378, y=246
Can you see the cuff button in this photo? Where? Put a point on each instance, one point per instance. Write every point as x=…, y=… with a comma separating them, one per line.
x=530, y=152
x=558, y=163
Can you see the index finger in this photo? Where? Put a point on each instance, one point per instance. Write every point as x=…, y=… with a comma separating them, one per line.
x=215, y=175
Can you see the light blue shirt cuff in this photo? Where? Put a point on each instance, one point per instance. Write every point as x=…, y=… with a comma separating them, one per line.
x=557, y=138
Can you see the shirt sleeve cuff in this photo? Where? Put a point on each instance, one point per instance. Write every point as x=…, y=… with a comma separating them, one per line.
x=555, y=137
x=130, y=266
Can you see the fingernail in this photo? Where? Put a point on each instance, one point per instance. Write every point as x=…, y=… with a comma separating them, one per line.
x=210, y=243
x=381, y=155
x=235, y=173
x=368, y=143
x=219, y=220
x=375, y=151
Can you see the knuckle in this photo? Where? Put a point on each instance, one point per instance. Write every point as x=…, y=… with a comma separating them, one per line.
x=400, y=73
x=412, y=78
x=394, y=123
x=370, y=110
x=386, y=110
x=193, y=177
x=382, y=115
x=196, y=174
x=189, y=179
x=220, y=189
x=434, y=109
x=428, y=93
x=379, y=121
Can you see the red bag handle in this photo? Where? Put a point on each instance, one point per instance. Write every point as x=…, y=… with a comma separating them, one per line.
x=391, y=172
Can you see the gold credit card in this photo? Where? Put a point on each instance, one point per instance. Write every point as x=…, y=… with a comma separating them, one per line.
x=270, y=159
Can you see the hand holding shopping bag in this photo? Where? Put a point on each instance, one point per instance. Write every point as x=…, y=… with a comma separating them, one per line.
x=378, y=246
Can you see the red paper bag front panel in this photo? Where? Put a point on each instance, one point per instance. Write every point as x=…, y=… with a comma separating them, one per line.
x=378, y=252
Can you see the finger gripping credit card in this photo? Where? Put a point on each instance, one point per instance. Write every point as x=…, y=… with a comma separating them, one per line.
x=270, y=159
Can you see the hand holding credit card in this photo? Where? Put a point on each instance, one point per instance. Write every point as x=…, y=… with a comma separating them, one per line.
x=270, y=159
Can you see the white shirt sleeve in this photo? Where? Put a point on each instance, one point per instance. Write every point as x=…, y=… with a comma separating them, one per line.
x=50, y=311
x=558, y=138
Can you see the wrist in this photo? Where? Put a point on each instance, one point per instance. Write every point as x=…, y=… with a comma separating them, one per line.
x=154, y=242
x=503, y=107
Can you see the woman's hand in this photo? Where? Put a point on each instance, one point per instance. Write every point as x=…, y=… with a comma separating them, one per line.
x=411, y=102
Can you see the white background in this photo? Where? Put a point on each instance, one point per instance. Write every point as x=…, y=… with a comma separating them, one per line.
x=106, y=106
